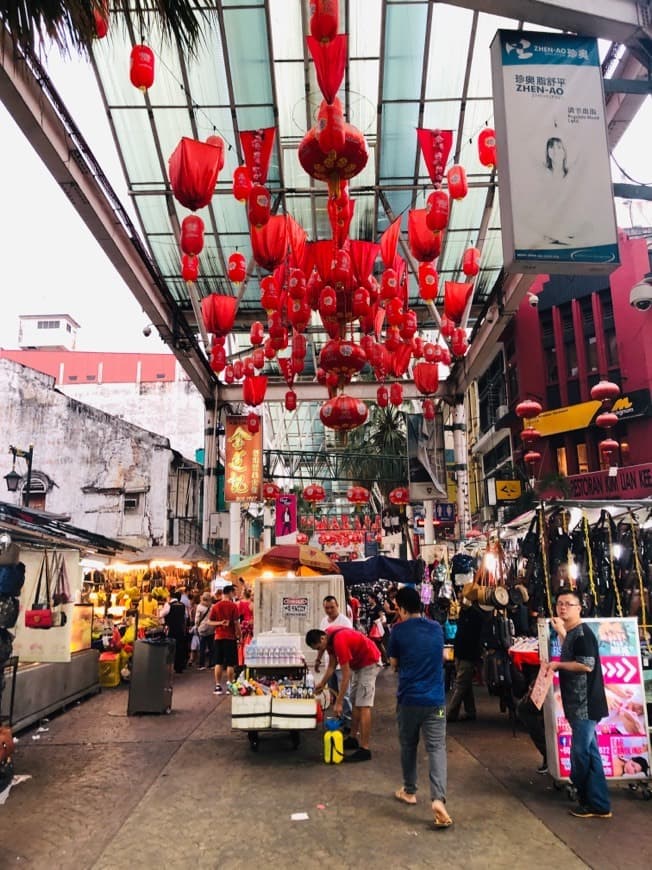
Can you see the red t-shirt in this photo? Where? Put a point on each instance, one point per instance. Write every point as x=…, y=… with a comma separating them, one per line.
x=224, y=610
x=354, y=603
x=352, y=647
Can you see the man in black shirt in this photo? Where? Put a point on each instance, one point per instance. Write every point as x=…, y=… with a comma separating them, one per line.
x=468, y=650
x=583, y=697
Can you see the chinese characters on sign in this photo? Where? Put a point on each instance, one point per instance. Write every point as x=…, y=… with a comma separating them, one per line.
x=244, y=462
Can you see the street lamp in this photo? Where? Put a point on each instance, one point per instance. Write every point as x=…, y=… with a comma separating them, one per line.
x=13, y=478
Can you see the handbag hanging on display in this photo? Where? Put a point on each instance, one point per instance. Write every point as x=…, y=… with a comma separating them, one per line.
x=61, y=593
x=40, y=614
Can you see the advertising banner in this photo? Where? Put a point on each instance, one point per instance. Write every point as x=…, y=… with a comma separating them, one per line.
x=623, y=735
x=244, y=461
x=425, y=458
x=286, y=515
x=556, y=200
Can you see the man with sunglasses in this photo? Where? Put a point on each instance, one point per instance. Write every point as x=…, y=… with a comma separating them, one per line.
x=584, y=701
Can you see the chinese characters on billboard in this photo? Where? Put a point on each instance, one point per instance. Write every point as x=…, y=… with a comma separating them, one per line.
x=244, y=461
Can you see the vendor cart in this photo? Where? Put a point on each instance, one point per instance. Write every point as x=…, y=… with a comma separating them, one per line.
x=274, y=659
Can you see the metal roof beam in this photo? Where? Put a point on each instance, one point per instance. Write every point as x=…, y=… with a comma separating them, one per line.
x=314, y=392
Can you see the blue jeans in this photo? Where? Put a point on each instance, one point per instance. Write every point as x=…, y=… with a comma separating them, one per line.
x=587, y=773
x=334, y=684
x=431, y=721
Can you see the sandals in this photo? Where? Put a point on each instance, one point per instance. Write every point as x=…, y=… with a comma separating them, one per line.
x=441, y=817
x=405, y=797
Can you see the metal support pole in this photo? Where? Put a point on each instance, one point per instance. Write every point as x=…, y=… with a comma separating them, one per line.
x=210, y=471
x=461, y=456
x=428, y=526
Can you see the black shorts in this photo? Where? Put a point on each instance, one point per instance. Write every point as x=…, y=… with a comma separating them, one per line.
x=225, y=653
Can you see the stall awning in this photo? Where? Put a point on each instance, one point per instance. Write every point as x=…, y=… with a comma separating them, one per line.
x=381, y=568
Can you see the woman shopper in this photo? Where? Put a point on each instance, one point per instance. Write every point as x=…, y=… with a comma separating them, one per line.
x=378, y=625
x=204, y=630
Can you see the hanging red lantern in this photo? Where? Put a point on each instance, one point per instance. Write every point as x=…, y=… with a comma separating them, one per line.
x=396, y=394
x=606, y=420
x=609, y=446
x=417, y=347
x=259, y=205
x=392, y=339
x=237, y=268
x=456, y=297
x=345, y=358
x=241, y=183
x=218, y=358
x=487, y=146
x=101, y=18
x=218, y=313
x=192, y=235
x=360, y=302
x=410, y=325
x=337, y=166
x=248, y=367
x=528, y=408
x=432, y=353
x=358, y=495
x=400, y=495
x=269, y=349
x=253, y=422
x=457, y=184
x=189, y=268
x=428, y=409
x=530, y=435
x=328, y=302
x=471, y=262
x=278, y=335
x=428, y=281
x=382, y=396
x=271, y=491
x=193, y=169
x=394, y=313
x=445, y=356
x=313, y=493
x=459, y=344
x=270, y=294
x=258, y=358
x=299, y=313
x=331, y=134
x=606, y=392
x=437, y=210
x=389, y=288
x=238, y=370
x=257, y=333
x=325, y=19
x=532, y=457
x=229, y=374
x=254, y=389
x=343, y=413
x=446, y=326
x=297, y=284
x=299, y=346
x=302, y=538
x=141, y=67
x=290, y=400
x=426, y=377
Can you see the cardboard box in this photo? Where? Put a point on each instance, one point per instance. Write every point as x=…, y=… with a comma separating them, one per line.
x=251, y=712
x=294, y=714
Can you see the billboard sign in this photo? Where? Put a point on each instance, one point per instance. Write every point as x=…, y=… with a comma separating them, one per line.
x=244, y=461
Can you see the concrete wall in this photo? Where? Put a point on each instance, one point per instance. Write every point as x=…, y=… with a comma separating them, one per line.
x=93, y=459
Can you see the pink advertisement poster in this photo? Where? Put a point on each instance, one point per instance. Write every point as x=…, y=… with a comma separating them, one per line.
x=286, y=515
x=623, y=734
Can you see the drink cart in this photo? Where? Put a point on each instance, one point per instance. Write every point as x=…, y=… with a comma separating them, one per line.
x=277, y=691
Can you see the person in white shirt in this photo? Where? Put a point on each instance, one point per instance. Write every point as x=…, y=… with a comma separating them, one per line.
x=333, y=617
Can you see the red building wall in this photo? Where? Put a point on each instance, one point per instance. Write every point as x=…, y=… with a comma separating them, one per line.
x=81, y=367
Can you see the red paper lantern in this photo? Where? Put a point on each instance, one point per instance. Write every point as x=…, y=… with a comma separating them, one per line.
x=487, y=147
x=459, y=344
x=530, y=435
x=297, y=284
x=388, y=285
x=325, y=19
x=457, y=184
x=237, y=268
x=299, y=346
x=290, y=400
x=396, y=394
x=254, y=389
x=218, y=313
x=270, y=294
x=425, y=244
x=432, y=353
x=141, y=67
x=259, y=205
x=358, y=495
x=428, y=409
x=298, y=313
x=189, y=268
x=258, y=358
x=400, y=495
x=101, y=17
x=253, y=422
x=605, y=392
x=337, y=165
x=428, y=281
x=302, y=538
x=445, y=356
x=528, y=408
x=256, y=333
x=278, y=335
x=331, y=132
x=608, y=446
x=343, y=357
x=241, y=183
x=271, y=491
x=313, y=493
x=328, y=302
x=269, y=349
x=193, y=168
x=410, y=324
x=192, y=235
x=394, y=313
x=606, y=420
x=456, y=297
x=343, y=413
x=437, y=210
x=248, y=366
x=382, y=396
x=238, y=370
x=360, y=303
x=471, y=262
x=218, y=358
x=426, y=377
x=229, y=374
x=532, y=457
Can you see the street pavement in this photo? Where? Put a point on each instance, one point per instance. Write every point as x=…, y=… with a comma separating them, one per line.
x=109, y=792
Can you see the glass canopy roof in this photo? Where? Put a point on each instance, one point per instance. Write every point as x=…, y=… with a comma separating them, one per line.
x=410, y=64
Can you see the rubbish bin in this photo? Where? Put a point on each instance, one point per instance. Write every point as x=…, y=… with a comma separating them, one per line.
x=152, y=669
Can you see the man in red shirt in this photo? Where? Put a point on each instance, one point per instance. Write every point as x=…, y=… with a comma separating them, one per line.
x=358, y=658
x=224, y=616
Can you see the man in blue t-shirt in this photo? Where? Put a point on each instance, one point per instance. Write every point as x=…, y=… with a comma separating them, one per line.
x=416, y=651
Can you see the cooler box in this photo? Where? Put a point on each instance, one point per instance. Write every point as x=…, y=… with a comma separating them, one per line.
x=109, y=666
x=251, y=712
x=294, y=714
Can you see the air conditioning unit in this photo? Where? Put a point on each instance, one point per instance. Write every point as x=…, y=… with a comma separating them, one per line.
x=502, y=411
x=486, y=514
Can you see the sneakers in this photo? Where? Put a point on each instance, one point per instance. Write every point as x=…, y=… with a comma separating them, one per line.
x=359, y=755
x=218, y=690
x=201, y=669
x=542, y=768
x=351, y=743
x=587, y=813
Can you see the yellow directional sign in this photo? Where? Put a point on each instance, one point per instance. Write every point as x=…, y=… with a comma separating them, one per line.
x=508, y=490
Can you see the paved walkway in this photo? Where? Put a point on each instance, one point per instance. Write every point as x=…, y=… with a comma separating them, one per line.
x=182, y=791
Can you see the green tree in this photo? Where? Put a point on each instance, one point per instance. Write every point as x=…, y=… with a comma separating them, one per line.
x=384, y=436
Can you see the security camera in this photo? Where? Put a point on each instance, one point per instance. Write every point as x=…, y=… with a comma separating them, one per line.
x=640, y=296
x=533, y=300
x=147, y=331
